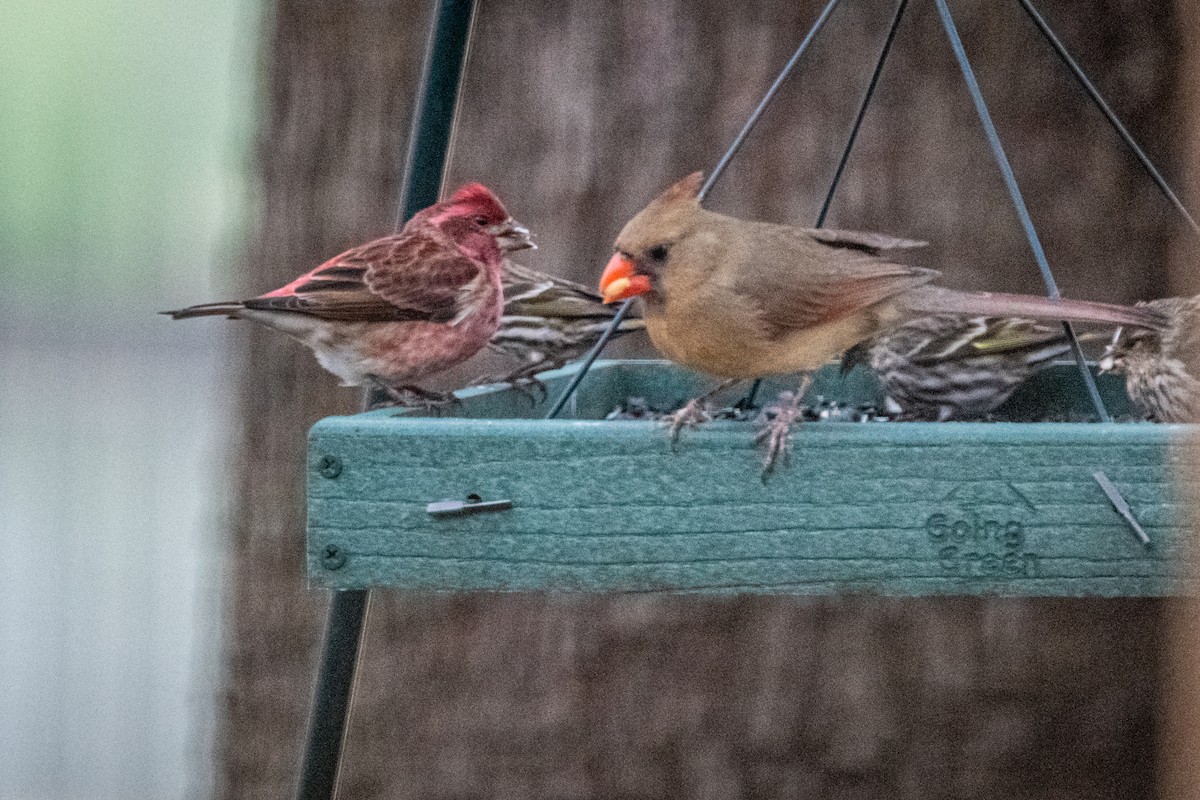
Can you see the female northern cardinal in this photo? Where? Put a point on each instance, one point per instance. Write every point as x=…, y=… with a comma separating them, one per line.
x=403, y=307
x=741, y=299
x=958, y=368
x=1160, y=366
x=549, y=321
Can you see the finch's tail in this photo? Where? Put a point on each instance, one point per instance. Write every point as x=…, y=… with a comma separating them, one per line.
x=229, y=309
x=995, y=304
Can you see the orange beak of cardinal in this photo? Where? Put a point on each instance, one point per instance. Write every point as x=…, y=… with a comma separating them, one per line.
x=621, y=281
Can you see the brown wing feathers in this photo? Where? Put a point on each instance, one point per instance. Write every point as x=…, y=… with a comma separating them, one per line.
x=415, y=276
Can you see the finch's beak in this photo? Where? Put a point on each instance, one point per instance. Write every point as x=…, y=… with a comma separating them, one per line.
x=512, y=235
x=1108, y=361
x=621, y=281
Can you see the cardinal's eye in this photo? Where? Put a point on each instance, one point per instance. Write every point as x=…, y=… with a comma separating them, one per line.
x=658, y=252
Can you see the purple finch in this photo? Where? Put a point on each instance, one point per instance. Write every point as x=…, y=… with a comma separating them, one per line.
x=398, y=309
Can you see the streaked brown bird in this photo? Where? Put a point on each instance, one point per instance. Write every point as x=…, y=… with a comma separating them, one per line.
x=948, y=368
x=740, y=299
x=549, y=321
x=1160, y=366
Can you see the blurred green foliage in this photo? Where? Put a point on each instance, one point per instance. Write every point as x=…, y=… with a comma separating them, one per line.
x=123, y=132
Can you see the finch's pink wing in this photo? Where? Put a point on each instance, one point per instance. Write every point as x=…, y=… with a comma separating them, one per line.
x=344, y=288
x=429, y=273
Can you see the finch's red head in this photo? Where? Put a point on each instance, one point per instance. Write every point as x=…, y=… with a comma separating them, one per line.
x=621, y=280
x=477, y=204
x=475, y=198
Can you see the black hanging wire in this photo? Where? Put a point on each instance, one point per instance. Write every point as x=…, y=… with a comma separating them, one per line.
x=591, y=357
x=868, y=95
x=993, y=140
x=1113, y=120
x=786, y=72
x=436, y=109
x=1018, y=201
x=1109, y=488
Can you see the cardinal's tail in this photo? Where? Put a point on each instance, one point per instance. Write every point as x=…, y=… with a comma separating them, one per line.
x=937, y=300
x=229, y=309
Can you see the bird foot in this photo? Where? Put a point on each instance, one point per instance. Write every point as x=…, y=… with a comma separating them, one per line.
x=429, y=401
x=531, y=387
x=488, y=380
x=776, y=433
x=522, y=380
x=691, y=415
x=777, y=421
x=415, y=397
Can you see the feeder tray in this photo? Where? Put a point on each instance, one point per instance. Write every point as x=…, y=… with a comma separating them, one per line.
x=888, y=507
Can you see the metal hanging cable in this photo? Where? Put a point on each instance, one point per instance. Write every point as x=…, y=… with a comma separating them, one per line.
x=591, y=357
x=1018, y=201
x=716, y=173
x=868, y=95
x=1110, y=115
x=784, y=74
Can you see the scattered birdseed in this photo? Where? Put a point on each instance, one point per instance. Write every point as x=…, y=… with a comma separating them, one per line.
x=637, y=408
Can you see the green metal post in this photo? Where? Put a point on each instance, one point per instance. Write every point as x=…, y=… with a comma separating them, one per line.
x=433, y=116
x=433, y=119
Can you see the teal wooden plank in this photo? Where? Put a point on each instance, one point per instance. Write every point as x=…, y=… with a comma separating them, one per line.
x=607, y=506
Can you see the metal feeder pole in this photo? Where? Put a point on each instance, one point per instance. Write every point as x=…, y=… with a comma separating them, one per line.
x=429, y=142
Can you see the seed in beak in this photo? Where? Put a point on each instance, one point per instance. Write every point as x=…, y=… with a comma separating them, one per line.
x=512, y=235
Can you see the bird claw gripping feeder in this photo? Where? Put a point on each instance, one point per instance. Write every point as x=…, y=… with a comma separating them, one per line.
x=505, y=497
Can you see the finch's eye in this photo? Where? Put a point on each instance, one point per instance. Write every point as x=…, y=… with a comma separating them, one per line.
x=658, y=252
x=481, y=221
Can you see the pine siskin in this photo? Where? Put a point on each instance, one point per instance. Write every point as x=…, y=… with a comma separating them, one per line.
x=549, y=321
x=958, y=368
x=1159, y=365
